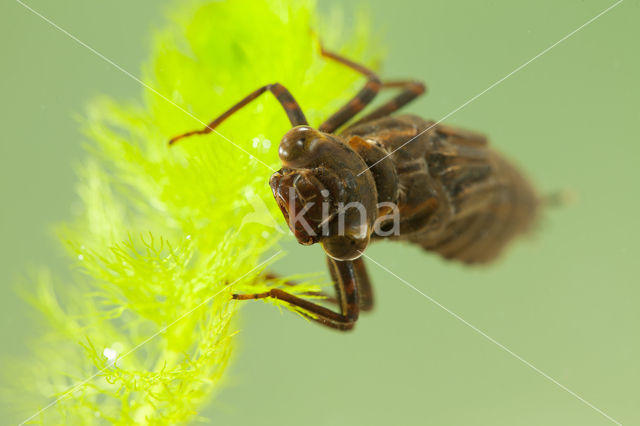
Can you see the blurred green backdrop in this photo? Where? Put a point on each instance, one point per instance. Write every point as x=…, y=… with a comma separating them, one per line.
x=566, y=300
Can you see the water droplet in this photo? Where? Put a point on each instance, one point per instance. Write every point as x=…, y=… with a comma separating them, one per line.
x=188, y=237
x=110, y=355
x=80, y=257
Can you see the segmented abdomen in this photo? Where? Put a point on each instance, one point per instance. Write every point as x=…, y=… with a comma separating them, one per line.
x=478, y=200
x=491, y=201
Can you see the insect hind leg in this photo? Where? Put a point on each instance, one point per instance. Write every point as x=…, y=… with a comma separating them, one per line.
x=359, y=101
x=410, y=90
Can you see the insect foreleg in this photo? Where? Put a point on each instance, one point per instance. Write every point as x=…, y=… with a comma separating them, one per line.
x=365, y=292
x=326, y=297
x=291, y=107
x=347, y=295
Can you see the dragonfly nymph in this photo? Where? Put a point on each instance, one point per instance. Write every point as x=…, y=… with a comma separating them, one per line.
x=410, y=179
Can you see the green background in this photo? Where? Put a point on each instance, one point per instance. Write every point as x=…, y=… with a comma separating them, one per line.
x=565, y=300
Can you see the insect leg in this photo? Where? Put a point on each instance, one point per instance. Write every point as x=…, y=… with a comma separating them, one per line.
x=347, y=294
x=291, y=107
x=410, y=91
x=364, y=285
x=365, y=292
x=362, y=98
x=331, y=299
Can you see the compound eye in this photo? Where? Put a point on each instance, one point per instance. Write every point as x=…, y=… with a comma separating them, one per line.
x=295, y=146
x=290, y=150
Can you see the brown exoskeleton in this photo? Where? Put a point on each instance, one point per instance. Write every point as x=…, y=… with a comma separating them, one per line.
x=450, y=192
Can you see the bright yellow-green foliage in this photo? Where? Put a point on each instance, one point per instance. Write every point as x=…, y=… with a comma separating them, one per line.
x=143, y=332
